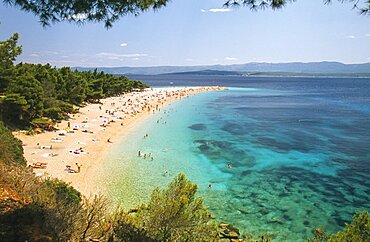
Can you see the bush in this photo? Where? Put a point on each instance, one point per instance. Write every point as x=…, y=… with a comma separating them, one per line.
x=357, y=230
x=175, y=214
x=11, y=150
x=64, y=191
x=54, y=113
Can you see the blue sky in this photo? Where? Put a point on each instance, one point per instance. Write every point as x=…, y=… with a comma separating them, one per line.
x=196, y=32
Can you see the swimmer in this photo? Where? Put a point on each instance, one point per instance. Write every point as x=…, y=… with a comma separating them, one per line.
x=229, y=165
x=209, y=185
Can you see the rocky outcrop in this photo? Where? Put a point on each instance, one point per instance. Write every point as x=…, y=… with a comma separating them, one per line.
x=228, y=232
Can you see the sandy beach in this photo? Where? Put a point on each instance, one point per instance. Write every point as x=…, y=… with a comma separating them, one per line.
x=74, y=152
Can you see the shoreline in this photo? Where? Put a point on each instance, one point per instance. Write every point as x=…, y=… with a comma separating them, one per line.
x=76, y=157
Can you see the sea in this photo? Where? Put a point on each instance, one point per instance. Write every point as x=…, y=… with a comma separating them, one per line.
x=283, y=155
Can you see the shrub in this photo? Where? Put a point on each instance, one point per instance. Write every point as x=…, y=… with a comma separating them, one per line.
x=64, y=191
x=54, y=113
x=11, y=150
x=357, y=230
x=175, y=214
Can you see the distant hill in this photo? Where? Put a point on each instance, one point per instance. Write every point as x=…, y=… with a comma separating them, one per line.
x=207, y=72
x=248, y=68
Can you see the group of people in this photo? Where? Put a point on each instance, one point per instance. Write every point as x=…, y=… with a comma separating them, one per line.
x=119, y=108
x=149, y=155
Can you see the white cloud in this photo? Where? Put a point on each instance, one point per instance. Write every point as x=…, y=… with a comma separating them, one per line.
x=219, y=10
x=189, y=59
x=50, y=52
x=34, y=55
x=350, y=37
x=123, y=45
x=367, y=35
x=114, y=56
x=231, y=58
x=203, y=10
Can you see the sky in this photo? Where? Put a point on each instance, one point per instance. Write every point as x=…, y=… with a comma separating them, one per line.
x=197, y=32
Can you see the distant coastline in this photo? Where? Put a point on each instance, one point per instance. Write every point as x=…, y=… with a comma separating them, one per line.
x=272, y=74
x=319, y=69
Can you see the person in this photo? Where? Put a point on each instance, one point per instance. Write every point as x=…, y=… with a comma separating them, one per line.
x=139, y=153
x=229, y=165
x=209, y=185
x=78, y=167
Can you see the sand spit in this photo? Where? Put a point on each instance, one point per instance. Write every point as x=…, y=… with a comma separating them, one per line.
x=74, y=152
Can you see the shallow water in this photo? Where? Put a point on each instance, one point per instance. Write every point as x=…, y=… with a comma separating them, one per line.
x=299, y=147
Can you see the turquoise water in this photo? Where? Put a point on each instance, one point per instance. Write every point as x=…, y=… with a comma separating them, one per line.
x=300, y=156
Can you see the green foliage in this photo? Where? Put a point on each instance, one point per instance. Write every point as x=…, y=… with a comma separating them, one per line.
x=319, y=236
x=124, y=228
x=357, y=230
x=13, y=108
x=9, y=51
x=63, y=191
x=11, y=150
x=277, y=4
x=54, y=113
x=175, y=214
x=48, y=210
x=85, y=10
x=28, y=87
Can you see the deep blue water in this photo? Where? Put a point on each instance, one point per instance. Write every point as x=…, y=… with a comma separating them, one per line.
x=299, y=147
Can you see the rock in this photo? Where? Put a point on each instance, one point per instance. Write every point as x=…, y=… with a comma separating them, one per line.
x=227, y=231
x=275, y=220
x=223, y=225
x=233, y=234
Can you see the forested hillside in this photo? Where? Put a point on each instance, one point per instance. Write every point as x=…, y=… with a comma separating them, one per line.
x=31, y=92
